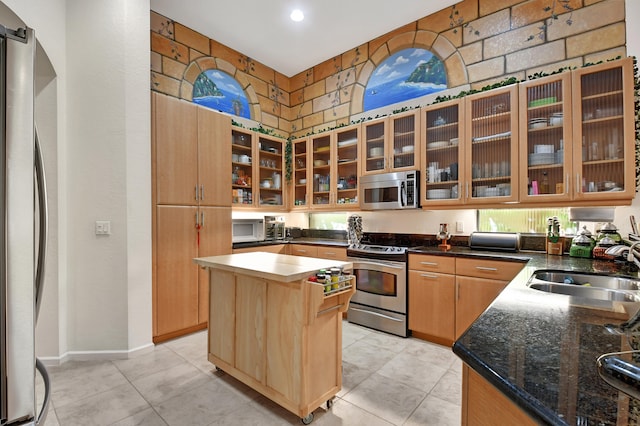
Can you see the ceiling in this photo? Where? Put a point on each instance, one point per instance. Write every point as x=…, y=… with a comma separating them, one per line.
x=262, y=29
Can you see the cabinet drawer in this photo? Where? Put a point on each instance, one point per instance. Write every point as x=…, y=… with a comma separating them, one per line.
x=495, y=269
x=335, y=253
x=425, y=262
x=303, y=250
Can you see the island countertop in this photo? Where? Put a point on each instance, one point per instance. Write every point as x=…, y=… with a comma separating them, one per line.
x=279, y=267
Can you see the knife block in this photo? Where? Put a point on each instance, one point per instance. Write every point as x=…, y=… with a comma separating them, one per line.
x=554, y=248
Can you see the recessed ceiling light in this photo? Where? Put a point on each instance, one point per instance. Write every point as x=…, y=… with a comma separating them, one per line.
x=297, y=15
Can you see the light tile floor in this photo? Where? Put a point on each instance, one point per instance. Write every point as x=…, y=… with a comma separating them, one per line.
x=387, y=380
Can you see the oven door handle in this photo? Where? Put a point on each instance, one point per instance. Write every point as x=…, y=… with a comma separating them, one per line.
x=376, y=314
x=359, y=265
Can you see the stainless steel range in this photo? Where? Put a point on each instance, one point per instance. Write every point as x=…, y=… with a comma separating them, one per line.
x=380, y=300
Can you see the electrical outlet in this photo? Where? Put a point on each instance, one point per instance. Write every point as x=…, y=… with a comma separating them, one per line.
x=459, y=226
x=103, y=227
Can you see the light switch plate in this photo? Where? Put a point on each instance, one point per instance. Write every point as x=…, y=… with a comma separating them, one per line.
x=103, y=227
x=459, y=226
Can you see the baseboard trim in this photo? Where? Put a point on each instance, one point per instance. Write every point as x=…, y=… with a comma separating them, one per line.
x=96, y=355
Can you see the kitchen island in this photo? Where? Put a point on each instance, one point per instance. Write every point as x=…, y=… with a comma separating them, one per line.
x=274, y=330
x=530, y=358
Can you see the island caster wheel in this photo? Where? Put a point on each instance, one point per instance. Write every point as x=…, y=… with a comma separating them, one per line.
x=308, y=419
x=329, y=403
x=220, y=371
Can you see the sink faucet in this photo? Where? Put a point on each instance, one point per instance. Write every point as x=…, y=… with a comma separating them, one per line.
x=620, y=249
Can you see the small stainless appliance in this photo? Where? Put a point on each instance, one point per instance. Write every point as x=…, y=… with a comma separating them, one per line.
x=380, y=300
x=398, y=190
x=274, y=228
x=247, y=230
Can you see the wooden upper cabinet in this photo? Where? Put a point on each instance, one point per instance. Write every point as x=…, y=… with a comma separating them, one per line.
x=391, y=144
x=302, y=177
x=189, y=140
x=604, y=131
x=269, y=169
x=491, y=145
x=176, y=151
x=546, y=143
x=442, y=153
x=214, y=153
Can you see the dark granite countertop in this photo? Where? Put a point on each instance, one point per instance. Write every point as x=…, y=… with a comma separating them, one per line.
x=310, y=241
x=540, y=349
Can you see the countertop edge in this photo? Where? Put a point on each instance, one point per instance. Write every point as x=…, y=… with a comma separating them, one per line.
x=533, y=407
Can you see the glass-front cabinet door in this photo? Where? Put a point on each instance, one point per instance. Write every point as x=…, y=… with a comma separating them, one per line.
x=546, y=149
x=300, y=180
x=404, y=137
x=374, y=134
x=492, y=150
x=391, y=144
x=270, y=171
x=443, y=161
x=322, y=157
x=603, y=131
x=242, y=184
x=346, y=178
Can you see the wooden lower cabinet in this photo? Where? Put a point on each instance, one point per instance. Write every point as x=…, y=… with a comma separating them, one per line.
x=484, y=405
x=431, y=302
x=176, y=293
x=181, y=302
x=283, y=339
x=447, y=294
x=474, y=295
x=335, y=253
x=273, y=248
x=303, y=250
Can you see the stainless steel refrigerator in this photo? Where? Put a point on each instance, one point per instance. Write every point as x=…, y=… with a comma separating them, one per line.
x=22, y=229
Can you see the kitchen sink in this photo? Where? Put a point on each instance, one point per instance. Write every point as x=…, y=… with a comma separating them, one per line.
x=590, y=286
x=595, y=293
x=579, y=279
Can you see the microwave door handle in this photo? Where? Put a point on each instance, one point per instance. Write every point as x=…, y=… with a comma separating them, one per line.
x=402, y=194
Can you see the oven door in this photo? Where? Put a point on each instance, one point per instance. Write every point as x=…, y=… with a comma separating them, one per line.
x=380, y=284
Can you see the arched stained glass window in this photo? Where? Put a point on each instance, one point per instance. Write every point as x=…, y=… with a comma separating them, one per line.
x=217, y=90
x=407, y=74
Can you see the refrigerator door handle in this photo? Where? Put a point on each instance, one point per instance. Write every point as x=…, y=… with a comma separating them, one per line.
x=41, y=190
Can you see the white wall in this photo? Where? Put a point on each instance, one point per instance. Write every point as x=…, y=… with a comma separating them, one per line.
x=97, y=111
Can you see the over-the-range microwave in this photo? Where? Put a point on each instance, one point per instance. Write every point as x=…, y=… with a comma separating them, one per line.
x=398, y=190
x=247, y=230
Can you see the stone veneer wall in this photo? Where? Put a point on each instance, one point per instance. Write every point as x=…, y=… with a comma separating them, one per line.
x=480, y=41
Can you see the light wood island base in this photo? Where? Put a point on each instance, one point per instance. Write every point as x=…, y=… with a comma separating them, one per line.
x=275, y=331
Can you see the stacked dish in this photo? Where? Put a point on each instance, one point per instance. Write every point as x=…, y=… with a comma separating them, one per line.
x=543, y=149
x=556, y=119
x=438, y=194
x=376, y=152
x=537, y=123
x=540, y=158
x=439, y=144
